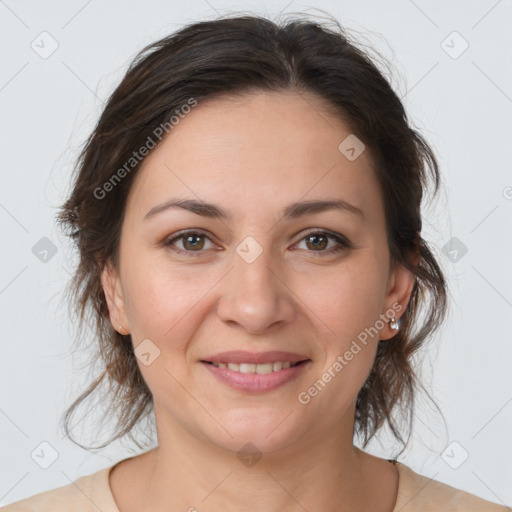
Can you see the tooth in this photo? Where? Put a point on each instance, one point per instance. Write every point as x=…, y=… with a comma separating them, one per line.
x=247, y=368
x=277, y=366
x=264, y=368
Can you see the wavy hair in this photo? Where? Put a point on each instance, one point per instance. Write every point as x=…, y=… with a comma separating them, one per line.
x=235, y=55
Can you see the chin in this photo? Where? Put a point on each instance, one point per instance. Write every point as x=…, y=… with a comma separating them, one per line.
x=268, y=430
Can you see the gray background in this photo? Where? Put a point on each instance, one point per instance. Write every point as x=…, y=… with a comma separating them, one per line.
x=460, y=100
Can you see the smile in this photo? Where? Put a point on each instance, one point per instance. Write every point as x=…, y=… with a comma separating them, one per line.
x=256, y=378
x=257, y=368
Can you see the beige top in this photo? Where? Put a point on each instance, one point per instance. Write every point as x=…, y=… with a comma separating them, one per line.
x=416, y=493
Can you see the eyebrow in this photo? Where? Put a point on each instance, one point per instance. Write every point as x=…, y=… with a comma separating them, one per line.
x=292, y=211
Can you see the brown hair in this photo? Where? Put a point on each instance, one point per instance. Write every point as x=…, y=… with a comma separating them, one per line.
x=234, y=55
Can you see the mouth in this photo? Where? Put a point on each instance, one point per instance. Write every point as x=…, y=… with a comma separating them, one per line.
x=261, y=369
x=256, y=372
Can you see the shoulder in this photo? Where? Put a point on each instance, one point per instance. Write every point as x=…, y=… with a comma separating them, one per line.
x=88, y=493
x=420, y=493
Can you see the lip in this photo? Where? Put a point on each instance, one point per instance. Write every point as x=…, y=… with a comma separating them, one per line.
x=241, y=356
x=256, y=382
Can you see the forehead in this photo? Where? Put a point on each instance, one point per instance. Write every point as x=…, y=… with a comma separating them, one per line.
x=255, y=151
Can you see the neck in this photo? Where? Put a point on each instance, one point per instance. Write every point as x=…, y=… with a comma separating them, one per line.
x=326, y=473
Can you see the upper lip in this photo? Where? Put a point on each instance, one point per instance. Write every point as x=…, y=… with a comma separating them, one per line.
x=240, y=356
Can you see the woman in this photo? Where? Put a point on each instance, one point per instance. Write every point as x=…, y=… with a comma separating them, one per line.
x=247, y=214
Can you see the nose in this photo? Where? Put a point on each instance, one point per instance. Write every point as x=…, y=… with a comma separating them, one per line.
x=255, y=295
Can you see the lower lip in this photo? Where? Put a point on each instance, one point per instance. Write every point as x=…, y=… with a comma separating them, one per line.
x=256, y=382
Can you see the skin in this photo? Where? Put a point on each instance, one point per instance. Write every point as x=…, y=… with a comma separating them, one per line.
x=253, y=156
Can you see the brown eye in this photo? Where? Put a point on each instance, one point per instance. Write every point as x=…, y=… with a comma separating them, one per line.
x=191, y=242
x=318, y=241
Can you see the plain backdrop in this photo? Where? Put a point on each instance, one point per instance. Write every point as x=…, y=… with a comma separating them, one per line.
x=454, y=73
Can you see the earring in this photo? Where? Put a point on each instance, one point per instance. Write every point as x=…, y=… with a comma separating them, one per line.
x=394, y=324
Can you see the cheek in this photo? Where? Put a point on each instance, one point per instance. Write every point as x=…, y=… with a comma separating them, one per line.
x=167, y=303
x=346, y=304
x=346, y=300
x=163, y=307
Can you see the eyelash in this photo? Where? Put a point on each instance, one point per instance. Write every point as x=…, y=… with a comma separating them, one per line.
x=343, y=243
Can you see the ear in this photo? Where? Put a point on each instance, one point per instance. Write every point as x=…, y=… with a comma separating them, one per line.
x=115, y=300
x=400, y=285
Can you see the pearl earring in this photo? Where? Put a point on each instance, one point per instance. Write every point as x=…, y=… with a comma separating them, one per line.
x=394, y=324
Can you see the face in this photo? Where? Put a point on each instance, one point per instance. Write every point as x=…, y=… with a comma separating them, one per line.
x=265, y=269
